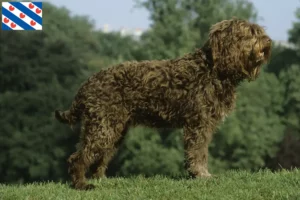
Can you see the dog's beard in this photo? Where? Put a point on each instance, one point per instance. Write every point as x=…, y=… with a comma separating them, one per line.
x=262, y=59
x=255, y=66
x=254, y=73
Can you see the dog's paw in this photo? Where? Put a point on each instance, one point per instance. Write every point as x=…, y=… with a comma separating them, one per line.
x=97, y=176
x=201, y=175
x=204, y=175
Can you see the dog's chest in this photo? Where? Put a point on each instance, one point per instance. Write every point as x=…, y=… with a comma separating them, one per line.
x=216, y=103
x=226, y=105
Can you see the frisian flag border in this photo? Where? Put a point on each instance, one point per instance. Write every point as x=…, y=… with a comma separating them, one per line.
x=22, y=16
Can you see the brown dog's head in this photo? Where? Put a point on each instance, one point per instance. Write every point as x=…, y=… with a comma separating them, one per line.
x=239, y=47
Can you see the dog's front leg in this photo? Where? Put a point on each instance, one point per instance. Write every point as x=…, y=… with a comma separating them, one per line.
x=196, y=141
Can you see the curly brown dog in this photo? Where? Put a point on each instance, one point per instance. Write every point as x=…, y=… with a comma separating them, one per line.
x=194, y=92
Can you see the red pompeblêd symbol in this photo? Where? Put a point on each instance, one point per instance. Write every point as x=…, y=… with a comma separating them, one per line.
x=6, y=20
x=32, y=23
x=13, y=25
x=22, y=15
x=31, y=6
x=11, y=8
x=38, y=11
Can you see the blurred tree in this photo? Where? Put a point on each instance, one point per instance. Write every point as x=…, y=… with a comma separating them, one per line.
x=39, y=72
x=282, y=57
x=42, y=71
x=290, y=79
x=295, y=31
x=286, y=65
x=146, y=152
x=113, y=49
x=180, y=26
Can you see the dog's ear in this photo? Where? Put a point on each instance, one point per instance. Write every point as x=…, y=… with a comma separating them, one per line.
x=224, y=46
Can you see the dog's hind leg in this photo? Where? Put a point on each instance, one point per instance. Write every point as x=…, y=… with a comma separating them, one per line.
x=80, y=161
x=98, y=142
x=87, y=153
x=98, y=169
x=106, y=154
x=77, y=170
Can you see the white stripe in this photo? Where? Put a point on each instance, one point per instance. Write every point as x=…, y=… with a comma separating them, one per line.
x=17, y=13
x=8, y=24
x=26, y=4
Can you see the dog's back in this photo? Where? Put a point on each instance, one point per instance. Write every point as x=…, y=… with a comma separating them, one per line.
x=154, y=89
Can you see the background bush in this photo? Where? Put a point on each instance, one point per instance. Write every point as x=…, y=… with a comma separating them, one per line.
x=43, y=70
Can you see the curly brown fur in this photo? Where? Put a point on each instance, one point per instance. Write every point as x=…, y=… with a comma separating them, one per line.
x=194, y=92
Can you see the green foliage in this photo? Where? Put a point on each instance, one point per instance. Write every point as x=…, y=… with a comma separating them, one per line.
x=42, y=71
x=289, y=148
x=146, y=151
x=179, y=26
x=285, y=64
x=281, y=59
x=290, y=78
x=231, y=185
x=39, y=74
x=295, y=31
x=112, y=49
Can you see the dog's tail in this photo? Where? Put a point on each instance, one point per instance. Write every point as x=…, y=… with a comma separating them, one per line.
x=71, y=116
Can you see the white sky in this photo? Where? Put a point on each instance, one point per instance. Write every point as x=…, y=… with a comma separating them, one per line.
x=277, y=15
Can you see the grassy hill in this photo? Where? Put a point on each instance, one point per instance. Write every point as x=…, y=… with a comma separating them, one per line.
x=233, y=185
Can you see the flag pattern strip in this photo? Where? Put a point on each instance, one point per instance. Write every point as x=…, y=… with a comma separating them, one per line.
x=22, y=16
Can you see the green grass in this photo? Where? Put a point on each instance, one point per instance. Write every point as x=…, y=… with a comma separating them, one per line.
x=263, y=185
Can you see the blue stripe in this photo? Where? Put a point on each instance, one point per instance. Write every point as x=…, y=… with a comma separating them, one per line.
x=5, y=27
x=28, y=12
x=38, y=4
x=15, y=19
